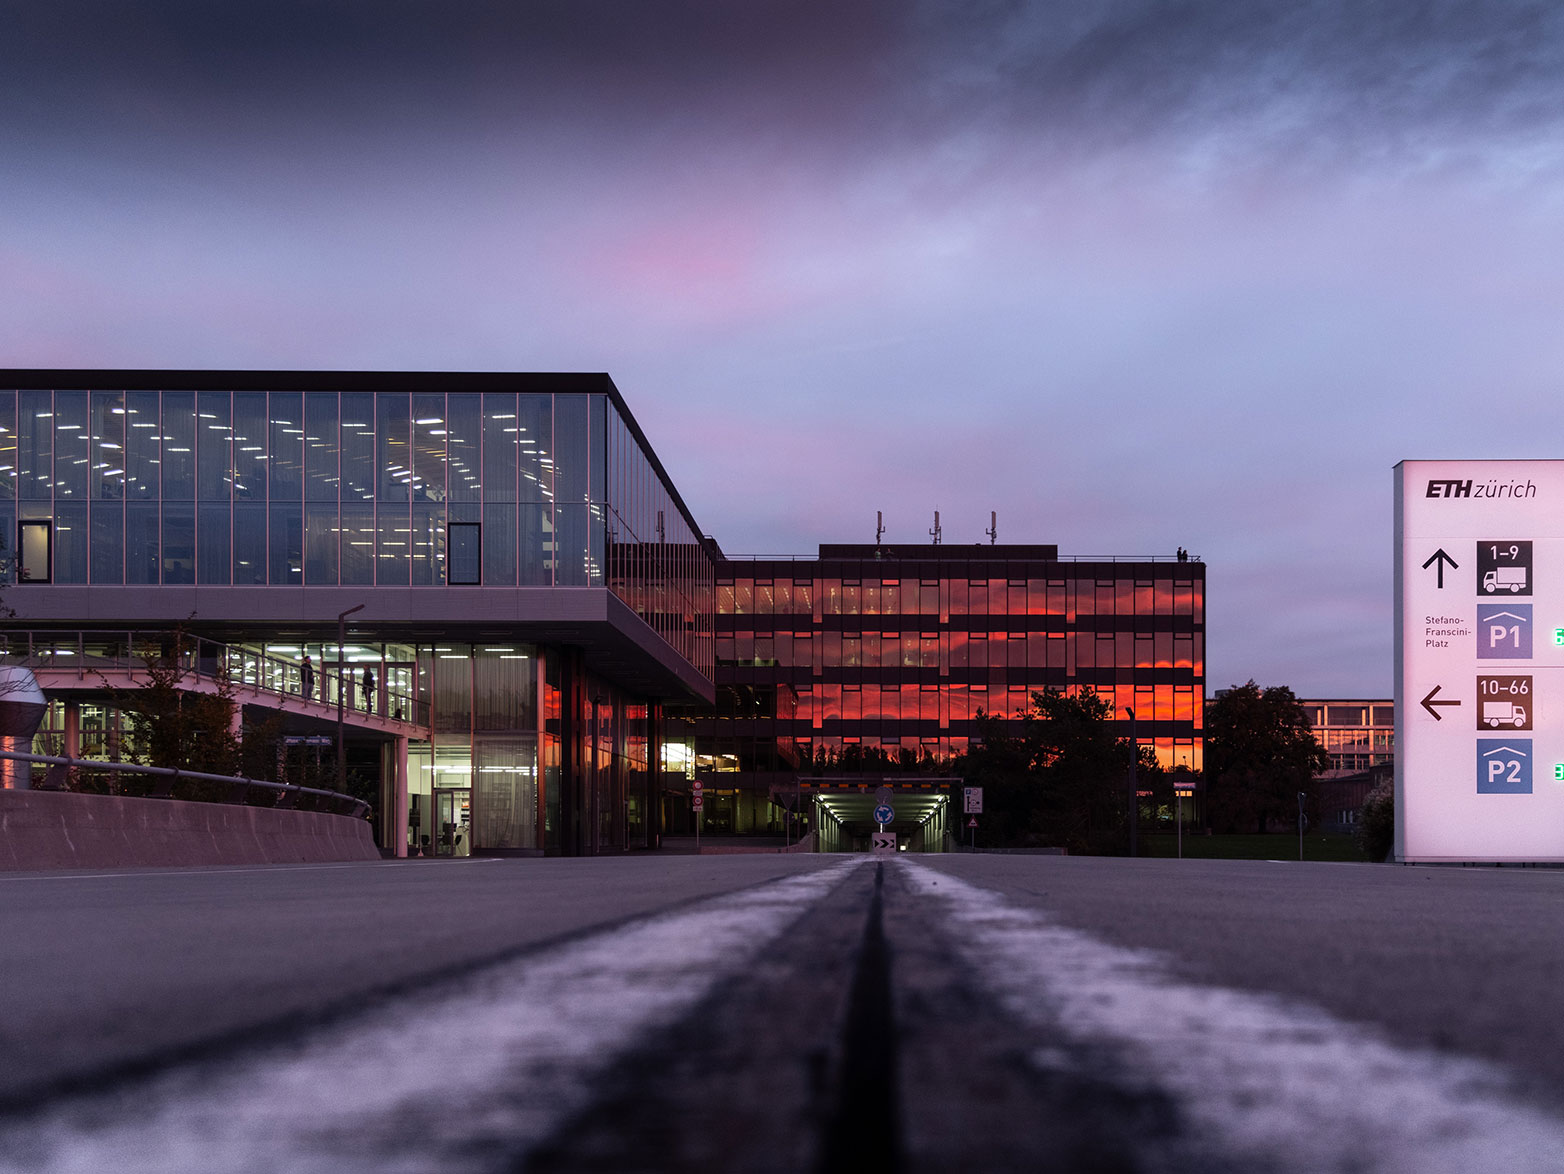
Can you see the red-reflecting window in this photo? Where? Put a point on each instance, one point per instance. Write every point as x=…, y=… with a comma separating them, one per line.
x=1164, y=597
x=957, y=592
x=852, y=703
x=828, y=702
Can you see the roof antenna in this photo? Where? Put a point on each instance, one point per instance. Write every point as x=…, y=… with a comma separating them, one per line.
x=935, y=531
x=993, y=527
x=879, y=527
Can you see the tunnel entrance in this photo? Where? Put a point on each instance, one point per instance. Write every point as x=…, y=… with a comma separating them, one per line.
x=924, y=811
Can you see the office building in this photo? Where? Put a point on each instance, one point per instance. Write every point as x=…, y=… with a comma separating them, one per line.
x=877, y=660
x=521, y=586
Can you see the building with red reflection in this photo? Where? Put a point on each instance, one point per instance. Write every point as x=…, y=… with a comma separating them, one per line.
x=877, y=660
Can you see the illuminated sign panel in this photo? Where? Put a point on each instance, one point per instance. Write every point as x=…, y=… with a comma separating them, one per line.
x=1479, y=574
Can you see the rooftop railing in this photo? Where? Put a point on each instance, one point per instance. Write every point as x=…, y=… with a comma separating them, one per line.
x=979, y=553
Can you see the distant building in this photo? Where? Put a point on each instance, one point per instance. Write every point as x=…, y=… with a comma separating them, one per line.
x=1360, y=737
x=877, y=660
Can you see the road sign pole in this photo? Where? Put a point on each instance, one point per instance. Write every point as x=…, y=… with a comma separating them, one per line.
x=1180, y=818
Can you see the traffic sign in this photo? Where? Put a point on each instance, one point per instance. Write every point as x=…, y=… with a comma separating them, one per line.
x=1479, y=570
x=972, y=800
x=883, y=796
x=696, y=786
x=697, y=801
x=972, y=823
x=882, y=843
x=884, y=814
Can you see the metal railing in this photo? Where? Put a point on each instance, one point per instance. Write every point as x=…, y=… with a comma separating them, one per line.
x=976, y=552
x=97, y=651
x=284, y=795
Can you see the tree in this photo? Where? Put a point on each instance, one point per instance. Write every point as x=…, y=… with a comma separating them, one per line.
x=185, y=729
x=1056, y=776
x=1261, y=753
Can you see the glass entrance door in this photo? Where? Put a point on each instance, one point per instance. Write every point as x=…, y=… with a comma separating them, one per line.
x=452, y=822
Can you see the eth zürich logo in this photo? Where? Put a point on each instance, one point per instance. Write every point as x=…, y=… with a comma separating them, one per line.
x=1490, y=488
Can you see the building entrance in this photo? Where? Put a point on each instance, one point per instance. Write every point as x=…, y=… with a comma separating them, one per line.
x=452, y=822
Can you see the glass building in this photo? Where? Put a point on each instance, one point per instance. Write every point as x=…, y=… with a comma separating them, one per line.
x=532, y=586
x=878, y=659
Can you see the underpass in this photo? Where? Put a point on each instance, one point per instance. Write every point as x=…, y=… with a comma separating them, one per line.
x=921, y=812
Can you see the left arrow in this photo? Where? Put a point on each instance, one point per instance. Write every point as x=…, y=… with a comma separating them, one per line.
x=1438, y=560
x=1428, y=703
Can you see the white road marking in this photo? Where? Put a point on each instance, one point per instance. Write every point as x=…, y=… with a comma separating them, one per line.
x=1275, y=1083
x=445, y=1081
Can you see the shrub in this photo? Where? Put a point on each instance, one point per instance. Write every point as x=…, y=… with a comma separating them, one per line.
x=1377, y=822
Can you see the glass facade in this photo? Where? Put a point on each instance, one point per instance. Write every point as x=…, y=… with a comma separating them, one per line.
x=517, y=712
x=1358, y=735
x=354, y=488
x=866, y=660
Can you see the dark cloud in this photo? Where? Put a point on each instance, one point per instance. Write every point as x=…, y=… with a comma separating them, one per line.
x=1353, y=72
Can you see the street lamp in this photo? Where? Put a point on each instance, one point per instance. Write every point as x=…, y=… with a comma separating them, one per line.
x=1134, y=784
x=342, y=753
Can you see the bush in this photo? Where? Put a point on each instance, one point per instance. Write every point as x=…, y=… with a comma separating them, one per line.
x=1377, y=822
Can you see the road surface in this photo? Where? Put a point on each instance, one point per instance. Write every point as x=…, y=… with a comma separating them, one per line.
x=784, y=1013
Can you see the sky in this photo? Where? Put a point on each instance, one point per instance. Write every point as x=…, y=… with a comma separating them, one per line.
x=1134, y=274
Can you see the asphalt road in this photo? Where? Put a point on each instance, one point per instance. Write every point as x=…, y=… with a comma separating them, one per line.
x=785, y=1013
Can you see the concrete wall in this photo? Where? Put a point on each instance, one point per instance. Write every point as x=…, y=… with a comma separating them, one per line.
x=54, y=829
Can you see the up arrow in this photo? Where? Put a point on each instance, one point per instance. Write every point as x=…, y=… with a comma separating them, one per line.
x=1440, y=558
x=1428, y=703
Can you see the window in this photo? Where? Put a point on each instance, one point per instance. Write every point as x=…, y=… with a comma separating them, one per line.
x=37, y=539
x=464, y=553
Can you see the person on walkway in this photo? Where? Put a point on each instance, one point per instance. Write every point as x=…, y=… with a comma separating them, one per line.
x=369, y=689
x=307, y=677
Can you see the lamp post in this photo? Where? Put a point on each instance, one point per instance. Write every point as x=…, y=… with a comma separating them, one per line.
x=342, y=752
x=1134, y=783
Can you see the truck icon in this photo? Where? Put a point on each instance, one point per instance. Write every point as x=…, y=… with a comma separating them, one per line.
x=1503, y=713
x=1511, y=579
